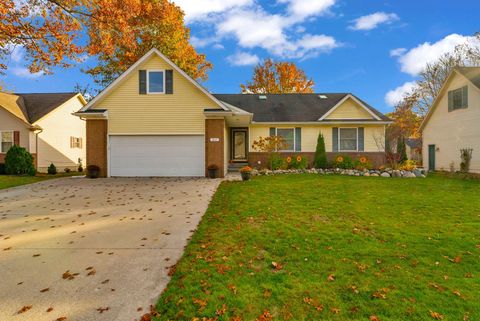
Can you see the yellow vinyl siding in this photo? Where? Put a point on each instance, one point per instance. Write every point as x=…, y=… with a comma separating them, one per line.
x=54, y=141
x=452, y=131
x=349, y=110
x=9, y=122
x=179, y=113
x=373, y=135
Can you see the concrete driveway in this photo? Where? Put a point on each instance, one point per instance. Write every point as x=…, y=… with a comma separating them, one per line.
x=93, y=249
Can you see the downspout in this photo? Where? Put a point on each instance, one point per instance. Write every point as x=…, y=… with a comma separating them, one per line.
x=40, y=130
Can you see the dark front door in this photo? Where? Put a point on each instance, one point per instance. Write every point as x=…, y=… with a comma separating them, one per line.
x=431, y=157
x=239, y=144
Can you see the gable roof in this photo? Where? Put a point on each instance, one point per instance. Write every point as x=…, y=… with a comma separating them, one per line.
x=151, y=52
x=293, y=107
x=30, y=107
x=472, y=74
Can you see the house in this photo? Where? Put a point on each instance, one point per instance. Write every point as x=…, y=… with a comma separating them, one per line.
x=44, y=125
x=154, y=120
x=453, y=122
x=414, y=149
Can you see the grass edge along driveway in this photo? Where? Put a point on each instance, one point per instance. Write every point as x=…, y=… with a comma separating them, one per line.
x=8, y=181
x=309, y=247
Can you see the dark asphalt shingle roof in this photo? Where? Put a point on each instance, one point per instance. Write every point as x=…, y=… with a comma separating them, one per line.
x=288, y=107
x=38, y=105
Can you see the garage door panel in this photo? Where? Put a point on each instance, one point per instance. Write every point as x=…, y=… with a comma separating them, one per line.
x=157, y=155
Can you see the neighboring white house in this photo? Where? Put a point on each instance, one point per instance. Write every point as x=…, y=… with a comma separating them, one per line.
x=453, y=122
x=44, y=125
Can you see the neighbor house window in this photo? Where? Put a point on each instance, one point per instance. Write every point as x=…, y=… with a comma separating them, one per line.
x=75, y=142
x=458, y=98
x=348, y=139
x=288, y=134
x=156, y=82
x=6, y=139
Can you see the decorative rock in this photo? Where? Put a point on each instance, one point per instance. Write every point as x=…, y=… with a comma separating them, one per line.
x=417, y=172
x=397, y=173
x=385, y=174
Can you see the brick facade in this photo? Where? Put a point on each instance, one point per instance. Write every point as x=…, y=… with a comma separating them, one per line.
x=215, y=149
x=97, y=130
x=376, y=158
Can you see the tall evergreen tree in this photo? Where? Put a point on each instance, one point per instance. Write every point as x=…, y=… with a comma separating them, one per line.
x=320, y=160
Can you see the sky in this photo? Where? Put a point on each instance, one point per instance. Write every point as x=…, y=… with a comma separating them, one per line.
x=373, y=49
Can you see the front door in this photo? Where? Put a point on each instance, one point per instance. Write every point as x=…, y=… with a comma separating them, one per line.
x=239, y=144
x=431, y=157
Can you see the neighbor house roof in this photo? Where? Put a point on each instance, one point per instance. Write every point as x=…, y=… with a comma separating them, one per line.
x=292, y=107
x=30, y=107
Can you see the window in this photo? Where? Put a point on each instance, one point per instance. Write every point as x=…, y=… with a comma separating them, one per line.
x=6, y=139
x=288, y=134
x=155, y=82
x=458, y=98
x=348, y=139
x=75, y=142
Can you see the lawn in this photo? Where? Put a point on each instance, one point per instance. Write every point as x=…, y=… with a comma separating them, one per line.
x=309, y=247
x=7, y=181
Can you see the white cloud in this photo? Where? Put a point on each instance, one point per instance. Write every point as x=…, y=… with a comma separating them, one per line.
x=218, y=46
x=243, y=59
x=397, y=52
x=23, y=72
x=197, y=10
x=396, y=95
x=414, y=60
x=373, y=20
x=303, y=8
x=251, y=26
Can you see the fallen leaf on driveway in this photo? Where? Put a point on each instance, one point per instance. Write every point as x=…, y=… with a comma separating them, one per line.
x=44, y=290
x=24, y=309
x=92, y=272
x=61, y=319
x=101, y=310
x=50, y=309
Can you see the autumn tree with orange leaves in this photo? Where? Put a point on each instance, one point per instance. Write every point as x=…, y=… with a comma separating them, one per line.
x=62, y=32
x=278, y=78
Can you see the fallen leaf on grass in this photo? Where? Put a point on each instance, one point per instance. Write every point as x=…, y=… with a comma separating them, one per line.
x=24, y=309
x=201, y=303
x=265, y=316
x=331, y=278
x=436, y=315
x=374, y=318
x=335, y=310
x=172, y=270
x=277, y=266
x=232, y=288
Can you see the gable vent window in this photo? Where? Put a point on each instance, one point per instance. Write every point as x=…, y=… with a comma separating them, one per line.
x=75, y=142
x=156, y=82
x=458, y=99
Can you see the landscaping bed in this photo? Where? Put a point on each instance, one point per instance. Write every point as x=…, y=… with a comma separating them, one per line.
x=313, y=247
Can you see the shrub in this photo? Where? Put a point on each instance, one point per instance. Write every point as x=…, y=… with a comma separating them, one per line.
x=52, y=169
x=277, y=162
x=344, y=161
x=80, y=165
x=408, y=165
x=362, y=163
x=67, y=170
x=270, y=145
x=466, y=156
x=297, y=162
x=19, y=161
x=2, y=169
x=320, y=159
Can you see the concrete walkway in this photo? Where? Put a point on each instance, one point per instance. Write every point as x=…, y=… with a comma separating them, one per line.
x=93, y=249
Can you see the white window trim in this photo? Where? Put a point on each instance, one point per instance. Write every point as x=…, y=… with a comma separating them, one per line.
x=1, y=134
x=148, y=82
x=339, y=145
x=294, y=139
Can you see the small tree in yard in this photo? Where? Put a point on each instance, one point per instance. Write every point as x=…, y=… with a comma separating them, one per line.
x=466, y=156
x=19, y=161
x=270, y=145
x=320, y=160
x=401, y=150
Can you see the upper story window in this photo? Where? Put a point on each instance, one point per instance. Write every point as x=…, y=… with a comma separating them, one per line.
x=6, y=139
x=288, y=134
x=75, y=142
x=348, y=139
x=458, y=98
x=155, y=82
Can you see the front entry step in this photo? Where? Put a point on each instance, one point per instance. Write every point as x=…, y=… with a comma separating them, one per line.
x=235, y=167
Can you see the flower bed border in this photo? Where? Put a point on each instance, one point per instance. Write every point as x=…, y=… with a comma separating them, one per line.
x=416, y=173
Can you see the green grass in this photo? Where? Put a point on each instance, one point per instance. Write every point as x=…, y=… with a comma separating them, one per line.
x=398, y=249
x=7, y=181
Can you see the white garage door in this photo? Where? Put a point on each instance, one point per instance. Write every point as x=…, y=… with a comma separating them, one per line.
x=157, y=156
